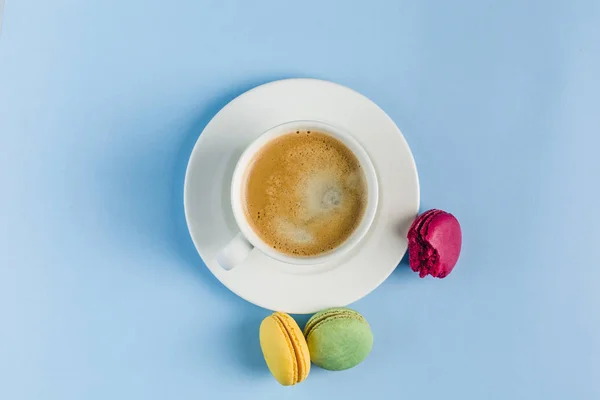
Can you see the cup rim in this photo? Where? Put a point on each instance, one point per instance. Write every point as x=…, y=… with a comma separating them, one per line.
x=281, y=129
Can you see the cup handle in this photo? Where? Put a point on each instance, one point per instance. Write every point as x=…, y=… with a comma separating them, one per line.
x=234, y=252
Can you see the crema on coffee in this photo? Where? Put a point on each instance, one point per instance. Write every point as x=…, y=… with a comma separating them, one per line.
x=304, y=193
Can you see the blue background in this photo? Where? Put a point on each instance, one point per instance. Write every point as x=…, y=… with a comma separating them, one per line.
x=102, y=295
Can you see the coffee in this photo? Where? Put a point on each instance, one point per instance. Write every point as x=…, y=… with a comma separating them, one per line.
x=305, y=193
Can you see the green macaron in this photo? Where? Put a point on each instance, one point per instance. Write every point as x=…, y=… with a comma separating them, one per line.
x=338, y=338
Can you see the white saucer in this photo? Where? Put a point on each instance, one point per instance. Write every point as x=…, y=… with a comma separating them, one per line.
x=260, y=279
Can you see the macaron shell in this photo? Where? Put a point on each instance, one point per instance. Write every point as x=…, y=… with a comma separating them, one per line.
x=339, y=343
x=278, y=351
x=299, y=345
x=425, y=226
x=330, y=312
x=445, y=236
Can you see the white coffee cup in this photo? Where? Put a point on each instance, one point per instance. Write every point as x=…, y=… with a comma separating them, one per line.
x=240, y=246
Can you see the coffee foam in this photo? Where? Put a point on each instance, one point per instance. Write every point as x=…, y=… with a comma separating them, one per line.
x=305, y=193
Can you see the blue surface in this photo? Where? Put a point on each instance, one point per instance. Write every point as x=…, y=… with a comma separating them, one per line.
x=102, y=295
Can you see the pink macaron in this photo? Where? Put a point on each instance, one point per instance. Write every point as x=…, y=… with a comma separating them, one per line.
x=434, y=242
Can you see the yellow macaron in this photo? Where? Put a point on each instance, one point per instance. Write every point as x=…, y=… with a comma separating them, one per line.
x=284, y=348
